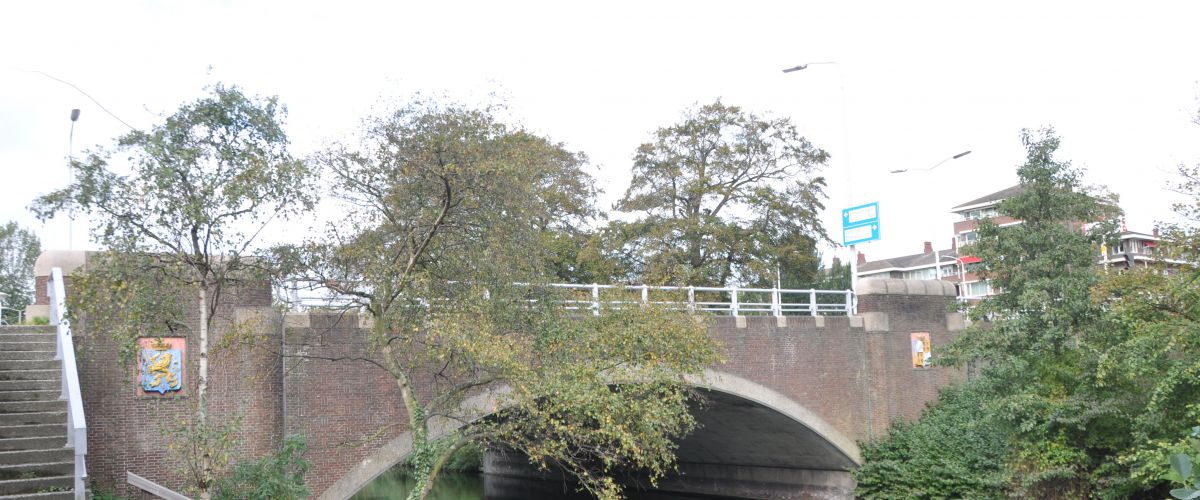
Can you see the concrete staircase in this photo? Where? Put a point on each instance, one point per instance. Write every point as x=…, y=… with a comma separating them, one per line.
x=34, y=463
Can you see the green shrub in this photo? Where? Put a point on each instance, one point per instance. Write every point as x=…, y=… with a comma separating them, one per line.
x=953, y=451
x=278, y=476
x=39, y=320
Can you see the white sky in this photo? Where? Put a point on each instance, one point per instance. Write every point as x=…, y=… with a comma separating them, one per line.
x=922, y=81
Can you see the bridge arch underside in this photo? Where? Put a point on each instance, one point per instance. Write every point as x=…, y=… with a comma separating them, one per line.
x=742, y=448
x=751, y=442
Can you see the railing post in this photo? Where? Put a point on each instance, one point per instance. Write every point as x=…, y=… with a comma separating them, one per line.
x=595, y=299
x=777, y=302
x=849, y=303
x=812, y=302
x=691, y=298
x=733, y=301
x=645, y=294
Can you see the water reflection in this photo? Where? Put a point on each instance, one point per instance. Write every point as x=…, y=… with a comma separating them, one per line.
x=395, y=484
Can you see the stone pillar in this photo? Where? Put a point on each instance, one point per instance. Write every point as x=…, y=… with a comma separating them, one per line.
x=892, y=312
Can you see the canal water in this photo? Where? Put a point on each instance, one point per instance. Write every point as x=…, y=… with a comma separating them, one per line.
x=395, y=484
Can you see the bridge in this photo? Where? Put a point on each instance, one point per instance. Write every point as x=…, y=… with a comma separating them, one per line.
x=799, y=389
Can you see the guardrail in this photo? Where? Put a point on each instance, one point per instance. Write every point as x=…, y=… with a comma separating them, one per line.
x=732, y=301
x=65, y=351
x=19, y=313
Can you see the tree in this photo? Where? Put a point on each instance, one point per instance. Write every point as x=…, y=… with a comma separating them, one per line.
x=1044, y=269
x=201, y=187
x=19, y=249
x=443, y=250
x=722, y=197
x=1035, y=346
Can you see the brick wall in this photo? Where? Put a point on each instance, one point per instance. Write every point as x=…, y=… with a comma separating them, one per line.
x=129, y=432
x=855, y=379
x=313, y=376
x=344, y=405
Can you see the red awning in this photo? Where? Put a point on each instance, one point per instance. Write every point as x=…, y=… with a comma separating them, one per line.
x=970, y=260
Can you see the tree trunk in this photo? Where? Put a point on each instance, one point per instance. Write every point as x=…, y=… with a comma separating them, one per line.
x=202, y=387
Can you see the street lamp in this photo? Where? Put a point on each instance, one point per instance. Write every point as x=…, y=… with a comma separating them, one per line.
x=955, y=157
x=71, y=177
x=846, y=152
x=962, y=275
x=805, y=65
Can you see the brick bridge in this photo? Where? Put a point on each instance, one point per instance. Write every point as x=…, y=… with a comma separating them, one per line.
x=784, y=415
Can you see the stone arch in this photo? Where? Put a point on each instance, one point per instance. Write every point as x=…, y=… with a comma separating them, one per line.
x=396, y=450
x=766, y=397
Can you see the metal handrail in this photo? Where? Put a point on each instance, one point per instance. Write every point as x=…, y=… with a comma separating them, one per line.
x=3, y=307
x=734, y=301
x=65, y=351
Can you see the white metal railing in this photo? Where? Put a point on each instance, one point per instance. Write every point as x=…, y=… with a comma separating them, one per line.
x=65, y=351
x=3, y=307
x=732, y=301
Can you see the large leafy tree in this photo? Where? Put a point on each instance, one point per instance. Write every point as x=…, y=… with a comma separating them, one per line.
x=1029, y=353
x=444, y=248
x=1033, y=348
x=19, y=249
x=178, y=209
x=722, y=197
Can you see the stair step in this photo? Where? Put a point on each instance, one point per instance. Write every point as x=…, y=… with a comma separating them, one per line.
x=27, y=345
x=50, y=455
x=9, y=338
x=46, y=355
x=7, y=329
x=32, y=406
x=37, y=485
x=39, y=430
x=32, y=443
x=17, y=471
x=30, y=374
x=50, y=384
x=29, y=364
x=34, y=394
x=51, y=495
x=42, y=417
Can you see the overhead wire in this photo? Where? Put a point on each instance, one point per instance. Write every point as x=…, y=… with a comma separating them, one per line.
x=81, y=91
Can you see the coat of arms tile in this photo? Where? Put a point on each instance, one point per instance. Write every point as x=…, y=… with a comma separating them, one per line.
x=160, y=365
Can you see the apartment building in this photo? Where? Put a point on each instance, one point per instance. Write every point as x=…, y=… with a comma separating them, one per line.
x=956, y=265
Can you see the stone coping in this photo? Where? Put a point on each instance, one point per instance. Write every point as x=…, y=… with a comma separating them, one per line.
x=68, y=260
x=887, y=286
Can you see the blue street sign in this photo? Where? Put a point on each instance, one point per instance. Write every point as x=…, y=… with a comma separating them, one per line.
x=861, y=233
x=862, y=214
x=860, y=224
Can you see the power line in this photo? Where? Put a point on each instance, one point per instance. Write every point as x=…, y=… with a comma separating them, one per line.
x=89, y=96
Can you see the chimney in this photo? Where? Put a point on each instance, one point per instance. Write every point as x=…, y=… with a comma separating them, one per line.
x=928, y=247
x=1155, y=232
x=836, y=262
x=954, y=244
x=862, y=259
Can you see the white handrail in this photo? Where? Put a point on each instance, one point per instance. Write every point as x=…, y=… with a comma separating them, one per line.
x=65, y=351
x=733, y=301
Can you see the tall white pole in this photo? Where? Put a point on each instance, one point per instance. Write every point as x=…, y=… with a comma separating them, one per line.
x=847, y=165
x=71, y=178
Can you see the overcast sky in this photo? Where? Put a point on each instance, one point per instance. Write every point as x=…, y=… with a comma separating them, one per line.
x=920, y=81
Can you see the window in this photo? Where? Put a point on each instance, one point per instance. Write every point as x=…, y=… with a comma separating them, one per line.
x=978, y=289
x=983, y=213
x=949, y=270
x=967, y=237
x=928, y=273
